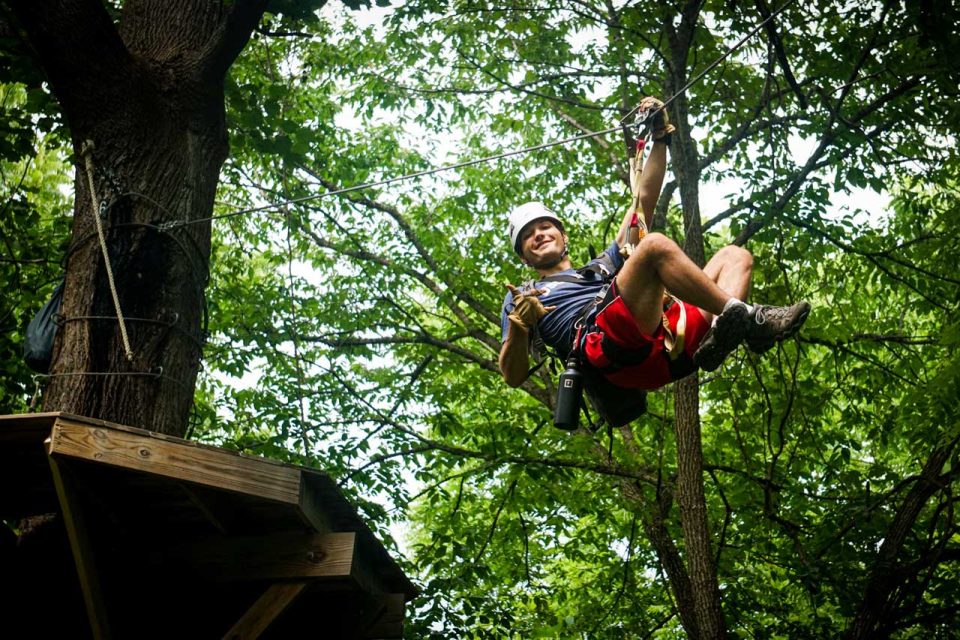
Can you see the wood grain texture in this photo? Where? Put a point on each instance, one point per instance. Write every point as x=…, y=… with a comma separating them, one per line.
x=175, y=460
x=26, y=428
x=80, y=545
x=269, y=557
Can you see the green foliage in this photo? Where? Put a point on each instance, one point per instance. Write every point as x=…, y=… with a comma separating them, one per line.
x=33, y=230
x=359, y=333
x=371, y=320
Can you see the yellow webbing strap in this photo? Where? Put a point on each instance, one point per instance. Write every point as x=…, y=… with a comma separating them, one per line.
x=635, y=233
x=636, y=170
x=674, y=342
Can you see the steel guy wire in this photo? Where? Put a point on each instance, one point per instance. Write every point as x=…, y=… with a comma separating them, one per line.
x=381, y=183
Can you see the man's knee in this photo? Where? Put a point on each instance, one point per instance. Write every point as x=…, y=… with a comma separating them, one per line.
x=654, y=246
x=657, y=240
x=736, y=256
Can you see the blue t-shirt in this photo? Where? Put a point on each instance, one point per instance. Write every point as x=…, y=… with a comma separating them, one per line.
x=556, y=328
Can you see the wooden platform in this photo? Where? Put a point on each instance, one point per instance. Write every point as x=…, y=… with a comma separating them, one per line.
x=175, y=539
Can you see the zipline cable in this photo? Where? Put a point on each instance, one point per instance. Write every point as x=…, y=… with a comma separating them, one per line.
x=381, y=183
x=499, y=156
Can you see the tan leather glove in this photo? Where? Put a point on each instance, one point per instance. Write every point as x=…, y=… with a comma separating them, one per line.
x=527, y=308
x=660, y=126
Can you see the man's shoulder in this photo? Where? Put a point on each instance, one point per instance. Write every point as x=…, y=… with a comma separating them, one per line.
x=607, y=263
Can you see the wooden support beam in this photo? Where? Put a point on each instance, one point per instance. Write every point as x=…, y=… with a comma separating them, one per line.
x=30, y=428
x=311, y=502
x=178, y=460
x=270, y=557
x=204, y=508
x=65, y=482
x=307, y=538
x=265, y=610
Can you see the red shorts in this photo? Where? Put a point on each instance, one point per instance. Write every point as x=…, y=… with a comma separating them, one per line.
x=627, y=357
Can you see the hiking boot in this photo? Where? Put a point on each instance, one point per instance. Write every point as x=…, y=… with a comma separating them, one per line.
x=723, y=337
x=770, y=325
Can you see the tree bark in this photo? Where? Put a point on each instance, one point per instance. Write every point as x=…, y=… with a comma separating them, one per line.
x=653, y=517
x=689, y=488
x=148, y=93
x=887, y=574
x=693, y=511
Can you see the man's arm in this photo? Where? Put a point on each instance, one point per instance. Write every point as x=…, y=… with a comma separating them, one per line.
x=651, y=183
x=514, y=355
x=515, y=351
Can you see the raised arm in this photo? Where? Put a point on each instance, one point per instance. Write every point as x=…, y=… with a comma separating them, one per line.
x=651, y=182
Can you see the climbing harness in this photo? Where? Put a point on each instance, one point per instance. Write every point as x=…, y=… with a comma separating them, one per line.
x=616, y=408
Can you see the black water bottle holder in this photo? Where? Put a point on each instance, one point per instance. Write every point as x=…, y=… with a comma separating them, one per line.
x=569, y=396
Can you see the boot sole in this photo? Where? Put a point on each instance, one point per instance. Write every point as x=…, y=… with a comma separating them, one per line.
x=732, y=326
x=789, y=332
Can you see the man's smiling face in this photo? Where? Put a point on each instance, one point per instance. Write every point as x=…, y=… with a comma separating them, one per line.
x=542, y=244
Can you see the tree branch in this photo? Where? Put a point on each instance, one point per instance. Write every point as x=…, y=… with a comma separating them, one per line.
x=229, y=38
x=781, y=53
x=519, y=89
x=884, y=576
x=421, y=250
x=77, y=45
x=421, y=338
x=615, y=159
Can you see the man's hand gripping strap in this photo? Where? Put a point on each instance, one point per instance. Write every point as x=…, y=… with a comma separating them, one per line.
x=656, y=118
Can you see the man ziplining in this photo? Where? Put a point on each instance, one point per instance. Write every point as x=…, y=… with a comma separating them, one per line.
x=612, y=313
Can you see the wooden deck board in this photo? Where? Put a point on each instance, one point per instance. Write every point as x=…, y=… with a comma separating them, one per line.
x=157, y=495
x=26, y=428
x=206, y=467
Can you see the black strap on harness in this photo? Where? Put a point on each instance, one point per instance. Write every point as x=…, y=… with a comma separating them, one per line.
x=601, y=267
x=615, y=405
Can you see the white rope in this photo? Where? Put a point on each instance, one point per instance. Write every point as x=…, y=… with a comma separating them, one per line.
x=86, y=152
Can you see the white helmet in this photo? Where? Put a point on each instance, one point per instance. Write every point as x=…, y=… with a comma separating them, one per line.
x=524, y=215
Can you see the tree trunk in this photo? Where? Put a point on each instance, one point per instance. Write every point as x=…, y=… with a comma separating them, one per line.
x=653, y=516
x=693, y=512
x=689, y=489
x=149, y=95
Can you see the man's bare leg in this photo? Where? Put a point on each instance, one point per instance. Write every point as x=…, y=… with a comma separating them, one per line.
x=718, y=290
x=658, y=262
x=731, y=268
